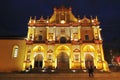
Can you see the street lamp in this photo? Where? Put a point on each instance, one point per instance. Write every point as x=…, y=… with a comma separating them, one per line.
x=111, y=56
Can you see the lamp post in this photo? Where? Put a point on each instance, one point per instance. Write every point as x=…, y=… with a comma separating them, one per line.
x=111, y=56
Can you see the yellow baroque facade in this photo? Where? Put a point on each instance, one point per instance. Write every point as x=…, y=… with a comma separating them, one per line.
x=62, y=42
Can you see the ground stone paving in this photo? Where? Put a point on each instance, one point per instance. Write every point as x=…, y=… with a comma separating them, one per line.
x=59, y=76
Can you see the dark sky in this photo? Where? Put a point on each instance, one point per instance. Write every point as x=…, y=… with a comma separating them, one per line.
x=14, y=14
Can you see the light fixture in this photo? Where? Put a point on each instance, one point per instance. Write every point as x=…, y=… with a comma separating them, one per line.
x=62, y=21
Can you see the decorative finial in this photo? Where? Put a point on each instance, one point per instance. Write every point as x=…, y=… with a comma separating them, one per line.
x=55, y=8
x=91, y=17
x=47, y=17
x=41, y=18
x=78, y=17
x=92, y=20
x=35, y=17
x=30, y=17
x=84, y=16
x=70, y=8
x=96, y=18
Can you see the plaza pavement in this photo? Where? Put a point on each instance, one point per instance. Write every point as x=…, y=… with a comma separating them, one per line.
x=59, y=76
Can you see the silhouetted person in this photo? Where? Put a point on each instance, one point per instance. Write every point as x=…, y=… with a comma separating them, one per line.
x=90, y=71
x=30, y=68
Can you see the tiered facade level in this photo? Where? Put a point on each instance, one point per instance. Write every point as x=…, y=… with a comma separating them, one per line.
x=64, y=42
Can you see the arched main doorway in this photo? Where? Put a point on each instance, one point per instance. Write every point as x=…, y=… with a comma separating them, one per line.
x=89, y=53
x=38, y=56
x=89, y=60
x=38, y=61
x=63, y=61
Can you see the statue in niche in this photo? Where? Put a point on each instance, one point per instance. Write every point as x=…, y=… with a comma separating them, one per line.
x=88, y=49
x=30, y=36
x=39, y=48
x=76, y=57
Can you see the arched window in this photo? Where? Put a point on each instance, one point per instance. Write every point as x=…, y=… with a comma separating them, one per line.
x=63, y=40
x=86, y=37
x=15, y=51
x=40, y=37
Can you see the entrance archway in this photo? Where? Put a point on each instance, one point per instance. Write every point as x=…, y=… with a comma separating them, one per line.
x=38, y=56
x=38, y=61
x=89, y=53
x=89, y=60
x=63, y=61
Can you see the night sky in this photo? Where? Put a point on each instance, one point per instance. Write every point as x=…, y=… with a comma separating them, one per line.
x=14, y=14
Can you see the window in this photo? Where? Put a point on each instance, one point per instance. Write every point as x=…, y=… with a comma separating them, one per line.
x=50, y=36
x=15, y=51
x=40, y=37
x=86, y=37
x=75, y=36
x=63, y=40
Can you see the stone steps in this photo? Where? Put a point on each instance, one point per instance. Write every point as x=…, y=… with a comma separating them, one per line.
x=58, y=76
x=39, y=70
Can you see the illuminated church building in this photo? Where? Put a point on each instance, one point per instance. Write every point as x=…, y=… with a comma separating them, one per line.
x=60, y=42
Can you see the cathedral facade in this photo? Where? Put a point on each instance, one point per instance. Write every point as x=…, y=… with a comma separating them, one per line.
x=63, y=42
